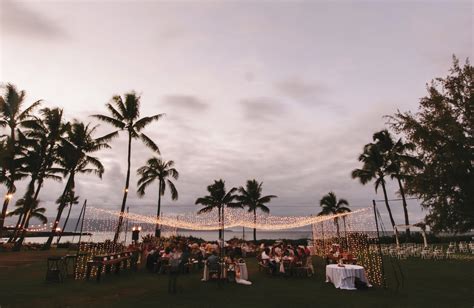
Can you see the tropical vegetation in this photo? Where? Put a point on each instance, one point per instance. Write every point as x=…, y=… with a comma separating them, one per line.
x=427, y=155
x=163, y=172
x=332, y=206
x=218, y=199
x=251, y=197
x=124, y=115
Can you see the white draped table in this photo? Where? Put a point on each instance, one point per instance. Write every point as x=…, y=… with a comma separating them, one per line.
x=344, y=277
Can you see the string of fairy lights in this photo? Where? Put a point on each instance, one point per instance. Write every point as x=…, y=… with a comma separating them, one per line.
x=36, y=228
x=106, y=220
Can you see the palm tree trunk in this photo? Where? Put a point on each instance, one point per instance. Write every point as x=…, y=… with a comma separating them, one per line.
x=6, y=201
x=19, y=243
x=220, y=231
x=405, y=207
x=22, y=217
x=62, y=205
x=388, y=207
x=65, y=223
x=17, y=227
x=157, y=227
x=26, y=209
x=11, y=184
x=255, y=225
x=125, y=192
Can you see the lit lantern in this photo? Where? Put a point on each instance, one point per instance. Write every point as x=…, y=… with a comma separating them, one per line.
x=136, y=233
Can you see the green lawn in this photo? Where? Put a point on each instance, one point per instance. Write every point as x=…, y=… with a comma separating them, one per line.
x=427, y=284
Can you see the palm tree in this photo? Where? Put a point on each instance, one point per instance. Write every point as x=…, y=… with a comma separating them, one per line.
x=331, y=206
x=251, y=197
x=40, y=142
x=31, y=160
x=26, y=212
x=71, y=199
x=218, y=198
x=161, y=171
x=12, y=116
x=74, y=158
x=125, y=115
x=35, y=211
x=48, y=130
x=374, y=168
x=399, y=163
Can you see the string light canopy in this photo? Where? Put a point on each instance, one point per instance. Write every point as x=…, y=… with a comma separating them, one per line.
x=233, y=218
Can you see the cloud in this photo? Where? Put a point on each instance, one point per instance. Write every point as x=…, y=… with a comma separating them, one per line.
x=188, y=102
x=262, y=108
x=301, y=90
x=18, y=19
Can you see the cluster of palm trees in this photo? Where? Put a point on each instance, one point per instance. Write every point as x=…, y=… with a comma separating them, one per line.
x=387, y=157
x=41, y=145
x=249, y=196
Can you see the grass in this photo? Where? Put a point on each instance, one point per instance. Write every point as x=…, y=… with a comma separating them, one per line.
x=428, y=283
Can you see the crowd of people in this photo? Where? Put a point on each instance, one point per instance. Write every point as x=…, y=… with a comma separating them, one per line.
x=180, y=255
x=284, y=258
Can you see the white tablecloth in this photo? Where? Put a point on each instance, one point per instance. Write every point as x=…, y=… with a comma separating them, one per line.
x=243, y=271
x=344, y=277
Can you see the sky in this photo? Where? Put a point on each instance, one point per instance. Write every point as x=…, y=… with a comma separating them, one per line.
x=285, y=92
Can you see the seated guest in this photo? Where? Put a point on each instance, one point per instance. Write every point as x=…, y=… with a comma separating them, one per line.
x=266, y=259
x=266, y=255
x=278, y=251
x=167, y=253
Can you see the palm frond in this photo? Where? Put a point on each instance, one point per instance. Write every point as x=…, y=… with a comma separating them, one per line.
x=149, y=143
x=114, y=122
x=143, y=122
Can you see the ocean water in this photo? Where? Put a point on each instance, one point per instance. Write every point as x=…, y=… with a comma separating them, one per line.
x=205, y=235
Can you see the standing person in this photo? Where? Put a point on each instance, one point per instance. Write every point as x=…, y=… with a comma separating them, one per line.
x=175, y=260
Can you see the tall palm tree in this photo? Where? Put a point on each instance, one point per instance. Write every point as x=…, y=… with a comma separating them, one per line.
x=71, y=199
x=125, y=115
x=74, y=158
x=374, y=168
x=48, y=130
x=218, y=198
x=331, y=206
x=12, y=116
x=399, y=163
x=251, y=197
x=161, y=171
x=31, y=157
